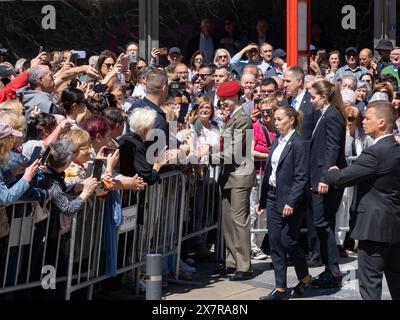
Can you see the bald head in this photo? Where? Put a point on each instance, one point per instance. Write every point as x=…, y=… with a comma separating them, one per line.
x=365, y=57
x=250, y=69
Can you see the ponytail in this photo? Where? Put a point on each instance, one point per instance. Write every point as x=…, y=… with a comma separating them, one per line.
x=292, y=113
x=333, y=94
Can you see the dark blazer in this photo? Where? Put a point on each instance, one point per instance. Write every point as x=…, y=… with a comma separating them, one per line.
x=194, y=45
x=376, y=172
x=327, y=146
x=133, y=159
x=311, y=116
x=291, y=174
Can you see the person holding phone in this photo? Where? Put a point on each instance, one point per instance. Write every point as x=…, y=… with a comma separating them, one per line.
x=7, y=140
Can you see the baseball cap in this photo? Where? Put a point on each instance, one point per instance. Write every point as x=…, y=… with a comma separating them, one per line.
x=279, y=53
x=6, y=72
x=174, y=50
x=228, y=89
x=350, y=49
x=6, y=130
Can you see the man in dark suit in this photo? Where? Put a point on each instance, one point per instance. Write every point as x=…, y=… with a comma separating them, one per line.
x=300, y=99
x=204, y=42
x=376, y=172
x=236, y=180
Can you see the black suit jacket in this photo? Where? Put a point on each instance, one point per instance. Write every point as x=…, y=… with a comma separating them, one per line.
x=133, y=159
x=311, y=116
x=376, y=172
x=327, y=146
x=291, y=174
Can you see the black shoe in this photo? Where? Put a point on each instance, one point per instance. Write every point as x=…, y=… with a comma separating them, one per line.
x=224, y=272
x=241, y=276
x=276, y=295
x=327, y=281
x=298, y=291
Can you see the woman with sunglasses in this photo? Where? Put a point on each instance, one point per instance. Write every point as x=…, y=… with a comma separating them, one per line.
x=106, y=63
x=195, y=63
x=222, y=58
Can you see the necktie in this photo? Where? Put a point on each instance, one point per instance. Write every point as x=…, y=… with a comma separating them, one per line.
x=294, y=103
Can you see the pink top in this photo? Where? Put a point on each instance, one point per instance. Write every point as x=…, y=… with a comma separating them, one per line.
x=260, y=144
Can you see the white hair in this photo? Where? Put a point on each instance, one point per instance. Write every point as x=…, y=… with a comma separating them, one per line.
x=217, y=52
x=93, y=60
x=379, y=96
x=20, y=63
x=142, y=119
x=348, y=96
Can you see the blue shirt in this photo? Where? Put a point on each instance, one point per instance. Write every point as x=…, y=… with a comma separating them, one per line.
x=347, y=71
x=207, y=47
x=238, y=65
x=8, y=196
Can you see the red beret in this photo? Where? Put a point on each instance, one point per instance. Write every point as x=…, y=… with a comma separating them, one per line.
x=228, y=89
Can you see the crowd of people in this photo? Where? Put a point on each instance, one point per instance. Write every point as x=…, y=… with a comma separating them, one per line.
x=308, y=152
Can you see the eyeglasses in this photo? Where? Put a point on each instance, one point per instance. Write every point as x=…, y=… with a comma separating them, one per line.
x=204, y=75
x=108, y=65
x=198, y=60
x=267, y=112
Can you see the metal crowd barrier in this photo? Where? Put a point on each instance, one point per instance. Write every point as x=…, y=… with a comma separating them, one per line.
x=84, y=250
x=151, y=224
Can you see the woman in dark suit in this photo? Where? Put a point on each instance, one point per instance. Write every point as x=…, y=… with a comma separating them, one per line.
x=283, y=194
x=327, y=150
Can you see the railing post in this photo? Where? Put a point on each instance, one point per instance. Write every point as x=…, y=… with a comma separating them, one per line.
x=154, y=277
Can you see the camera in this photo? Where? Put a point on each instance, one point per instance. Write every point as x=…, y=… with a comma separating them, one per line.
x=176, y=86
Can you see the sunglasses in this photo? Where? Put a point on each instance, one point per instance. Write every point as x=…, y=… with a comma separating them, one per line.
x=223, y=57
x=205, y=75
x=198, y=60
x=108, y=65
